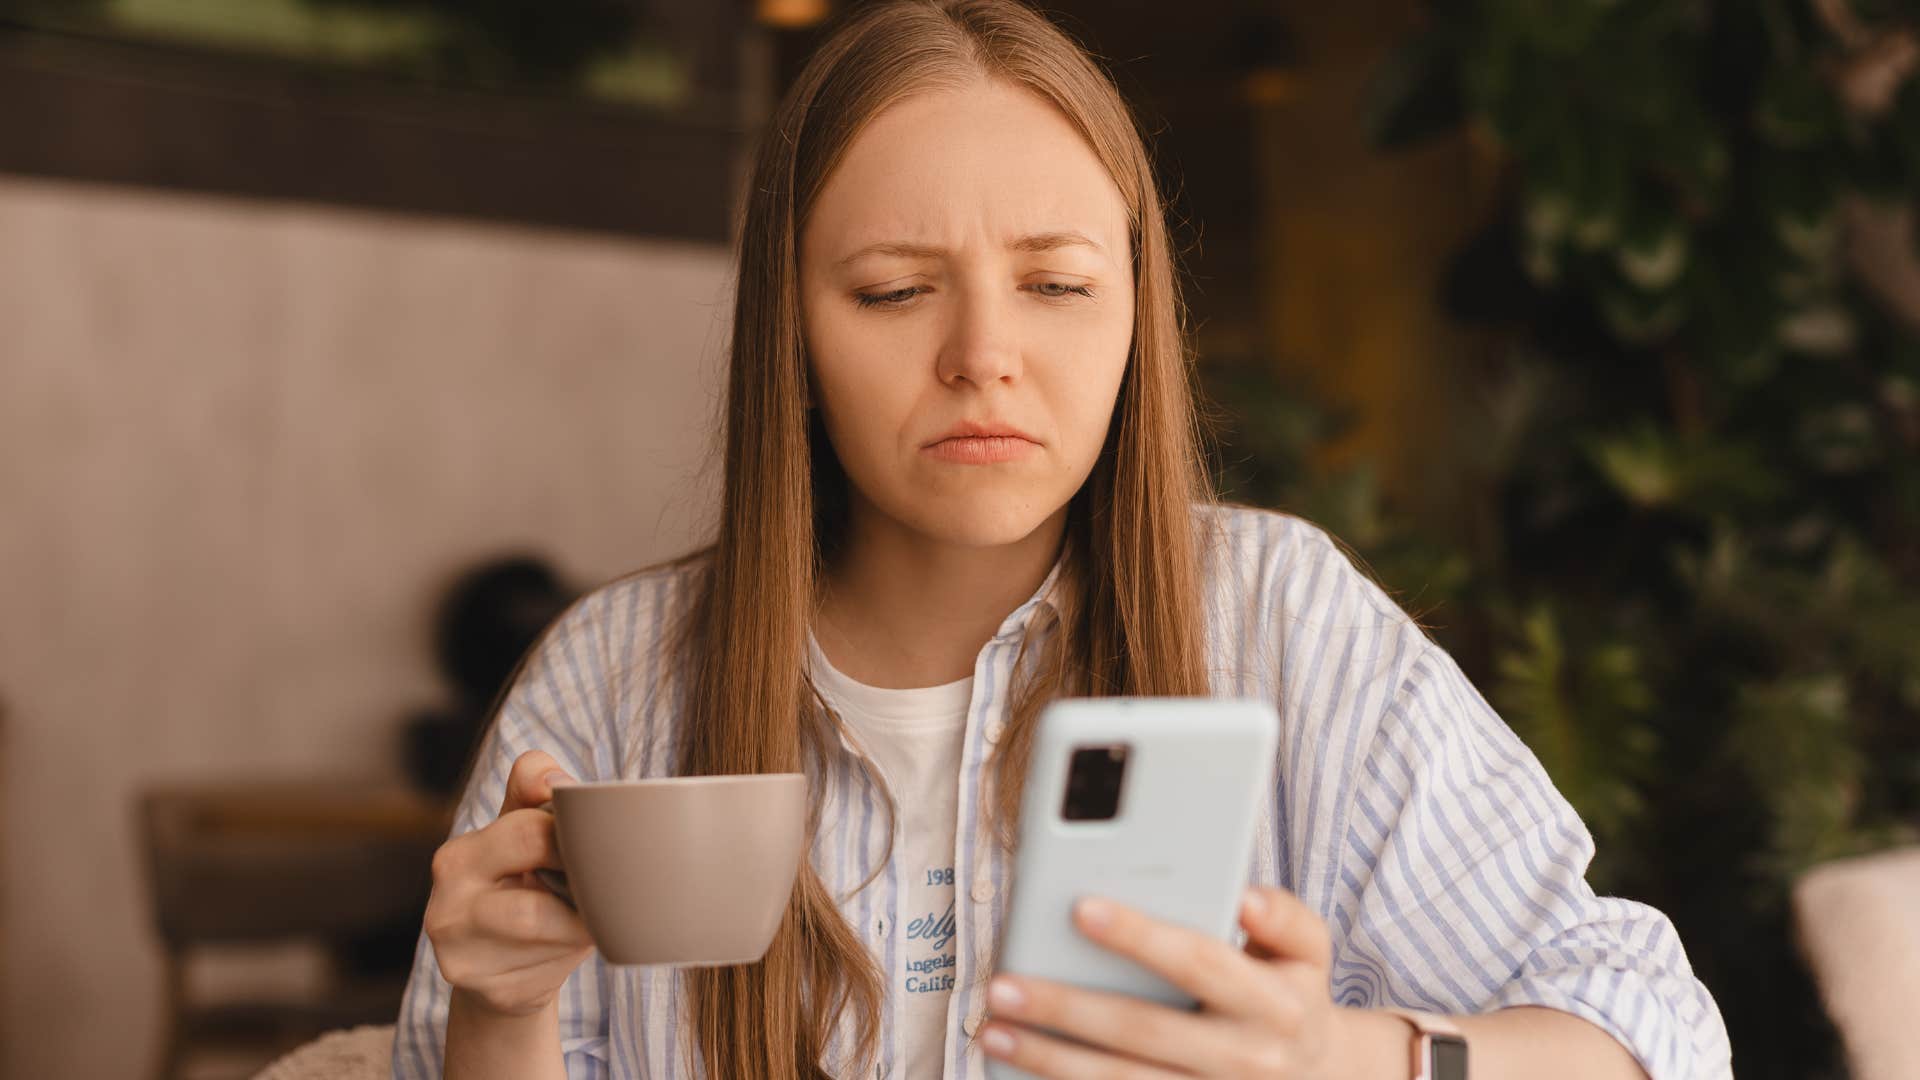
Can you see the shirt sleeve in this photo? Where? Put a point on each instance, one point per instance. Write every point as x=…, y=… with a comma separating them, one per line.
x=1464, y=889
x=558, y=703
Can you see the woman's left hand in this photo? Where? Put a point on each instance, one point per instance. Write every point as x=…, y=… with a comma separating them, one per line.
x=1265, y=1012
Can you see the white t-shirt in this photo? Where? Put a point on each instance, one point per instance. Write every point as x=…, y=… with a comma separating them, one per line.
x=914, y=737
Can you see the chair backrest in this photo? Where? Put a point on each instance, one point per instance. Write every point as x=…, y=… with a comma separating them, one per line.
x=258, y=861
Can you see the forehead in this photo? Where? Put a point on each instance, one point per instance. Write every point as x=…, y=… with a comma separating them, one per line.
x=954, y=167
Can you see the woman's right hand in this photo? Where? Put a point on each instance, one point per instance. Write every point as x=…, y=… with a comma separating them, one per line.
x=502, y=939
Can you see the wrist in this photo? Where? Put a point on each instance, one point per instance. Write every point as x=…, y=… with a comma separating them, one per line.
x=1370, y=1044
x=1438, y=1050
x=476, y=1007
x=484, y=1042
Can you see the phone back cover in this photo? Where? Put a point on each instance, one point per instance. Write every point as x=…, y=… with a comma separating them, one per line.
x=1179, y=847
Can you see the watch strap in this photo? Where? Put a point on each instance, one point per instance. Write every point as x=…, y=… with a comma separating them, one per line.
x=1428, y=1029
x=1427, y=1023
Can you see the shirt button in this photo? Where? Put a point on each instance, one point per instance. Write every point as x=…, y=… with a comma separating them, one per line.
x=982, y=890
x=995, y=730
x=971, y=1024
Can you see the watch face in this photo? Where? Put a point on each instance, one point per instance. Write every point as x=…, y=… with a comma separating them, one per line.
x=1448, y=1055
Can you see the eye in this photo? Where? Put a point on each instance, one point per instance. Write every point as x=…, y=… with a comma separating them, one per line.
x=1060, y=290
x=892, y=298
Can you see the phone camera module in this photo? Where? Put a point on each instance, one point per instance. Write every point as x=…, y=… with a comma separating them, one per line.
x=1094, y=778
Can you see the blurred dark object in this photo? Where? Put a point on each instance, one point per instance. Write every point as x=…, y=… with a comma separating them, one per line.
x=437, y=745
x=489, y=618
x=271, y=863
x=487, y=621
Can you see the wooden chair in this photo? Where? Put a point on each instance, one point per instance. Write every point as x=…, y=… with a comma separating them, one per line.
x=260, y=863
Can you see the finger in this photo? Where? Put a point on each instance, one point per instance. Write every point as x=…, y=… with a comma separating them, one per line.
x=1045, y=1055
x=533, y=979
x=488, y=965
x=529, y=917
x=1280, y=926
x=531, y=781
x=1120, y=1023
x=1213, y=972
x=516, y=843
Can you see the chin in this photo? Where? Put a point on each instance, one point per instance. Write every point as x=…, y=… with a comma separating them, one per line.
x=979, y=519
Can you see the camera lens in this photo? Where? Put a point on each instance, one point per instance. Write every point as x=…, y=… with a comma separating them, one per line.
x=1094, y=777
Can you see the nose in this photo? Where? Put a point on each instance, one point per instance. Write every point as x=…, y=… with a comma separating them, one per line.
x=979, y=346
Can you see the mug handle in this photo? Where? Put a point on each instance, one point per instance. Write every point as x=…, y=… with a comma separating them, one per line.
x=555, y=880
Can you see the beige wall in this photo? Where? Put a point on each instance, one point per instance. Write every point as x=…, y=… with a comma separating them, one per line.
x=242, y=447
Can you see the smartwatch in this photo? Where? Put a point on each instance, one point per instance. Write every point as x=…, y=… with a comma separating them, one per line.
x=1439, y=1048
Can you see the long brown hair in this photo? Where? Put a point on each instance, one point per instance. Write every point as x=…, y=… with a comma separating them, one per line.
x=1129, y=598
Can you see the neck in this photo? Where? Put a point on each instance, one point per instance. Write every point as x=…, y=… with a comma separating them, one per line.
x=902, y=611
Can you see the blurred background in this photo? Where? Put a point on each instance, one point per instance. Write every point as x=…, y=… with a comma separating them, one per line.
x=343, y=342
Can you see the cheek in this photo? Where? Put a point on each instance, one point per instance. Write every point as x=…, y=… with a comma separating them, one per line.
x=1083, y=391
x=855, y=377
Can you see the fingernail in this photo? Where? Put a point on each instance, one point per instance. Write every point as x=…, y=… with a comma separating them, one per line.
x=556, y=779
x=1255, y=903
x=1095, y=913
x=997, y=1040
x=1003, y=994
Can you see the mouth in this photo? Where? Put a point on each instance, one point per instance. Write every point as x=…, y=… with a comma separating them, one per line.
x=982, y=429
x=980, y=449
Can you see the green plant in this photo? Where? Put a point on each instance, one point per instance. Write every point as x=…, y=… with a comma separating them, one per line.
x=1695, y=573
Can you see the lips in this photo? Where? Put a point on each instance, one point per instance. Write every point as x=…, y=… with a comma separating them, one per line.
x=975, y=429
x=981, y=449
x=981, y=443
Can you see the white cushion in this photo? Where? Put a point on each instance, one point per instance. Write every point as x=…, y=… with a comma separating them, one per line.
x=362, y=1053
x=1859, y=924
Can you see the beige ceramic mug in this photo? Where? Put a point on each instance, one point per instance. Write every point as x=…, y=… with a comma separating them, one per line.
x=693, y=870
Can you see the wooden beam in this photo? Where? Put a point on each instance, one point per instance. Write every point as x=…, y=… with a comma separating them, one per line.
x=100, y=110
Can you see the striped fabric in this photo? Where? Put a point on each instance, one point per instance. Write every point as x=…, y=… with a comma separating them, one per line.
x=1406, y=813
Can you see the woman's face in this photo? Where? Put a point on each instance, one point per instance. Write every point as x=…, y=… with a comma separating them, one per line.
x=967, y=269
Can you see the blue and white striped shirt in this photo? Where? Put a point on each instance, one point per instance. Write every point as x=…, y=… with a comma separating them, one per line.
x=1406, y=813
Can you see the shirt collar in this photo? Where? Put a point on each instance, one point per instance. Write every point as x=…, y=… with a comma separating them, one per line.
x=1046, y=598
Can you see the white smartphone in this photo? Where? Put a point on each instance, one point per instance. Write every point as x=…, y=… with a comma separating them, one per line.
x=1151, y=802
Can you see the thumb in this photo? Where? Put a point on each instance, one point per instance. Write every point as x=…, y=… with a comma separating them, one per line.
x=532, y=780
x=1280, y=926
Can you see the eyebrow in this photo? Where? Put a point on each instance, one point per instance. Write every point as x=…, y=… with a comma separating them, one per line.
x=1032, y=243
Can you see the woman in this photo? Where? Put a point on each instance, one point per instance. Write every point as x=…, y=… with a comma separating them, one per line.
x=962, y=479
